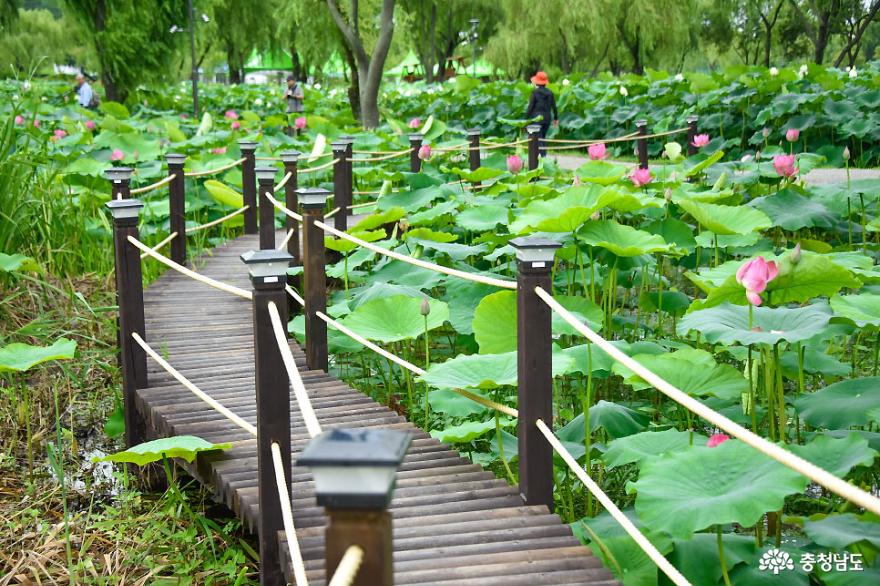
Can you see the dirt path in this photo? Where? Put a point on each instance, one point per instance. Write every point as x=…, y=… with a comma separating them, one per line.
x=816, y=176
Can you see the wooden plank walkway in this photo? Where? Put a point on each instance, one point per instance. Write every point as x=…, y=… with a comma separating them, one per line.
x=454, y=523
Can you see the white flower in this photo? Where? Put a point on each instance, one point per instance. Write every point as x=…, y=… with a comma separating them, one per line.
x=623, y=91
x=774, y=72
x=746, y=158
x=565, y=81
x=26, y=85
x=317, y=86
x=268, y=104
x=258, y=102
x=679, y=77
x=14, y=97
x=803, y=70
x=853, y=73
x=44, y=98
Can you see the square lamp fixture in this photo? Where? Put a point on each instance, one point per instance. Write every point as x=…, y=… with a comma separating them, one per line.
x=247, y=146
x=355, y=468
x=534, y=251
x=124, y=209
x=267, y=266
x=175, y=159
x=416, y=137
x=265, y=173
x=533, y=128
x=641, y=123
x=339, y=146
x=118, y=174
x=290, y=156
x=473, y=132
x=313, y=197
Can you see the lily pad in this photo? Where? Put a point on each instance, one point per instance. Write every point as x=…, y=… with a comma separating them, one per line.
x=841, y=405
x=726, y=219
x=648, y=444
x=483, y=371
x=622, y=240
x=17, y=357
x=695, y=376
x=390, y=319
x=181, y=446
x=224, y=194
x=840, y=531
x=617, y=420
x=863, y=309
x=837, y=455
x=729, y=324
x=17, y=262
x=468, y=431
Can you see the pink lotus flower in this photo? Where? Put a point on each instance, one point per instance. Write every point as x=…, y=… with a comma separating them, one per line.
x=184, y=116
x=754, y=276
x=795, y=255
x=36, y=123
x=425, y=152
x=117, y=155
x=300, y=122
x=784, y=165
x=59, y=134
x=90, y=124
x=596, y=151
x=415, y=123
x=19, y=120
x=700, y=140
x=231, y=115
x=640, y=177
x=218, y=151
x=716, y=439
x=235, y=125
x=514, y=164
x=792, y=134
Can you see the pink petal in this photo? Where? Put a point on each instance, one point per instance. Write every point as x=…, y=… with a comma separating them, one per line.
x=753, y=298
x=773, y=270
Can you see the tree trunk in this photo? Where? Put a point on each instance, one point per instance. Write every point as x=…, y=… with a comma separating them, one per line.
x=354, y=86
x=111, y=92
x=768, y=42
x=856, y=41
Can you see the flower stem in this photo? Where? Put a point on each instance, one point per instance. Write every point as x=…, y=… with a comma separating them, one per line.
x=721, y=557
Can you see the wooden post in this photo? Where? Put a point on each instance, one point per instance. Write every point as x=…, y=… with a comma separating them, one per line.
x=120, y=182
x=341, y=194
x=248, y=185
x=415, y=143
x=130, y=298
x=349, y=173
x=177, y=206
x=691, y=133
x=642, y=143
x=291, y=161
x=534, y=132
x=534, y=368
x=268, y=269
x=312, y=202
x=474, y=148
x=266, y=182
x=370, y=529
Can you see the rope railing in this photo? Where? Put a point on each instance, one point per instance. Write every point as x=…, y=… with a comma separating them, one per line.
x=348, y=566
x=293, y=376
x=267, y=158
x=383, y=157
x=588, y=141
x=213, y=223
x=491, y=146
x=671, y=572
x=283, y=182
x=283, y=208
x=357, y=152
x=153, y=186
x=410, y=366
x=286, y=239
x=448, y=149
x=213, y=403
x=159, y=246
x=417, y=262
x=214, y=171
x=190, y=273
x=332, y=213
x=366, y=204
x=326, y=165
x=296, y=559
x=296, y=296
x=784, y=457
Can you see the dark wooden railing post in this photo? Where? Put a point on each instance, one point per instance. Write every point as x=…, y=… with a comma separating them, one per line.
x=291, y=161
x=268, y=271
x=534, y=133
x=473, y=135
x=249, y=185
x=341, y=194
x=177, y=206
x=349, y=172
x=534, y=368
x=120, y=182
x=130, y=299
x=642, y=143
x=312, y=202
x=415, y=143
x=357, y=511
x=266, y=183
x=691, y=133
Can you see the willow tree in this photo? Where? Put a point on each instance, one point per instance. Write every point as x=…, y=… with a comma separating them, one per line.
x=242, y=27
x=358, y=29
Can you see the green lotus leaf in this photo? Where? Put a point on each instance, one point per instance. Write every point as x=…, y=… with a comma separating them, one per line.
x=690, y=490
x=841, y=405
x=840, y=531
x=17, y=262
x=565, y=213
x=373, y=221
x=672, y=302
x=410, y=201
x=700, y=165
x=791, y=211
x=648, y=444
x=346, y=246
x=863, y=309
x=468, y=431
x=480, y=174
x=837, y=455
x=181, y=446
x=18, y=357
x=484, y=217
x=726, y=219
x=428, y=234
x=617, y=420
x=698, y=560
x=674, y=232
x=482, y=371
x=429, y=217
x=600, y=172
x=390, y=319
x=708, y=239
x=454, y=404
x=622, y=240
x=87, y=166
x=695, y=373
x=454, y=250
x=463, y=298
x=115, y=109
x=222, y=193
x=729, y=324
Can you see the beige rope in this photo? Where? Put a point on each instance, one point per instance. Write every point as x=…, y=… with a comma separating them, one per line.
x=191, y=274
x=385, y=157
x=293, y=376
x=316, y=157
x=447, y=149
x=153, y=186
x=491, y=146
x=412, y=367
x=214, y=404
x=296, y=296
x=363, y=205
x=267, y=158
x=283, y=182
x=419, y=263
x=612, y=509
x=796, y=463
x=217, y=221
x=286, y=240
x=213, y=171
x=283, y=209
x=357, y=152
x=590, y=140
x=319, y=167
x=332, y=213
x=159, y=246
x=296, y=559
x=348, y=566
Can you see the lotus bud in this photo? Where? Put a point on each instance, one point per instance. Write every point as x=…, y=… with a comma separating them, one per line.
x=765, y=132
x=425, y=309
x=404, y=224
x=792, y=134
x=425, y=152
x=667, y=194
x=596, y=216
x=846, y=154
x=757, y=155
x=795, y=256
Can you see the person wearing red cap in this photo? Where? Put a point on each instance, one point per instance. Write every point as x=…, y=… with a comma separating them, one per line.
x=543, y=103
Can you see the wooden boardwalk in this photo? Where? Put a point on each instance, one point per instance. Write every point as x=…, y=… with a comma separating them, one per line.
x=454, y=523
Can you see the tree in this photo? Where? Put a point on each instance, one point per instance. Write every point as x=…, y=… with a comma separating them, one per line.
x=243, y=27
x=130, y=38
x=649, y=29
x=369, y=67
x=858, y=16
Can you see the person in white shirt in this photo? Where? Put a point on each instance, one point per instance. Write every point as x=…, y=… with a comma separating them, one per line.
x=84, y=94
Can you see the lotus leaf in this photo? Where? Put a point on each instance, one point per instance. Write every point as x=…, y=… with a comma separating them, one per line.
x=841, y=405
x=729, y=324
x=622, y=240
x=395, y=318
x=181, y=446
x=648, y=444
x=18, y=357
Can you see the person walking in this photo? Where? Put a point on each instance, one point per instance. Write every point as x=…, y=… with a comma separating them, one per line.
x=542, y=102
x=295, y=100
x=85, y=95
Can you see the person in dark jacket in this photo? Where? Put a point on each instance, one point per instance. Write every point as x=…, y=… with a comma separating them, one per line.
x=543, y=103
